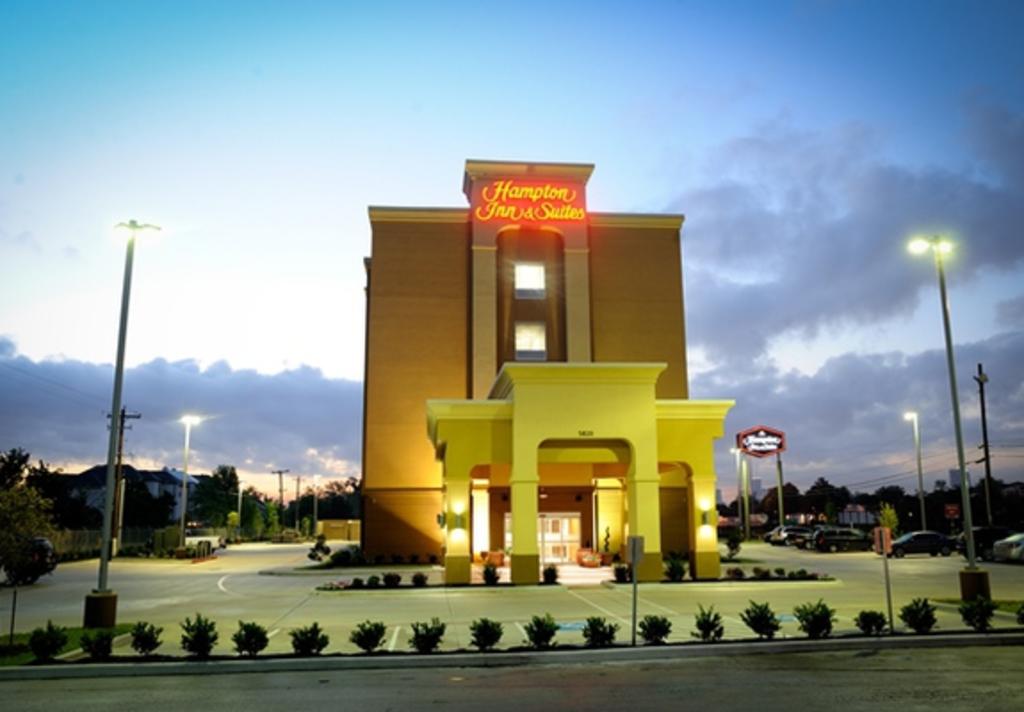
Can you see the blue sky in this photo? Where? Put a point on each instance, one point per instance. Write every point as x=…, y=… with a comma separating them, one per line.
x=804, y=141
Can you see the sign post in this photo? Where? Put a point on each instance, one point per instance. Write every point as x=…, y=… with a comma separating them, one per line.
x=883, y=546
x=635, y=552
x=762, y=441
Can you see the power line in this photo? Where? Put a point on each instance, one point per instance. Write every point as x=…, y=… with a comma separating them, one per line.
x=29, y=374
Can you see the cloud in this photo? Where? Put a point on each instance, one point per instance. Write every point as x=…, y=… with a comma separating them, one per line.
x=297, y=419
x=845, y=421
x=799, y=230
x=1010, y=312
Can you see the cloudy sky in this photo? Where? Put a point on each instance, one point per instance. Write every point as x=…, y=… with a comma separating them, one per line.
x=805, y=141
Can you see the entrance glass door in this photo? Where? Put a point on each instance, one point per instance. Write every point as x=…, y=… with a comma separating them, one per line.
x=558, y=536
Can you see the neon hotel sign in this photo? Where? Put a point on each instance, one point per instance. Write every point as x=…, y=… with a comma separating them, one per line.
x=511, y=200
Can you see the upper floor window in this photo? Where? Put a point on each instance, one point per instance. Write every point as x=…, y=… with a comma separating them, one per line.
x=529, y=280
x=531, y=341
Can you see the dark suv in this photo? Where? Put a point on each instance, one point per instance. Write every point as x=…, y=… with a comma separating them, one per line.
x=835, y=539
x=984, y=541
x=38, y=559
x=923, y=542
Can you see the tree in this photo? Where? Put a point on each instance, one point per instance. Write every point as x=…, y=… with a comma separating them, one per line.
x=887, y=517
x=67, y=510
x=273, y=519
x=141, y=509
x=24, y=515
x=216, y=495
x=13, y=465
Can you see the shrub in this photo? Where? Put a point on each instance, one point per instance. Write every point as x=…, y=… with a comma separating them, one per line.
x=341, y=557
x=780, y=572
x=870, y=622
x=145, y=638
x=622, y=573
x=735, y=573
x=491, y=574
x=550, y=575
x=761, y=574
x=432, y=559
x=373, y=581
x=427, y=636
x=815, y=619
x=397, y=559
x=419, y=579
x=599, y=633
x=486, y=633
x=391, y=580
x=310, y=640
x=978, y=614
x=46, y=643
x=250, y=638
x=97, y=645
x=675, y=570
x=1020, y=615
x=655, y=629
x=414, y=558
x=919, y=615
x=357, y=583
x=709, y=624
x=760, y=618
x=199, y=637
x=733, y=542
x=540, y=631
x=368, y=635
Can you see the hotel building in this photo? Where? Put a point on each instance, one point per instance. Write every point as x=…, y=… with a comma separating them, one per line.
x=526, y=386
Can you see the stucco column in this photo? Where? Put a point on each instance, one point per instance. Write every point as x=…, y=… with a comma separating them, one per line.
x=485, y=318
x=457, y=508
x=642, y=485
x=523, y=491
x=704, y=559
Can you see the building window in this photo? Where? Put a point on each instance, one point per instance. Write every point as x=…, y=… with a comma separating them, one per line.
x=529, y=281
x=531, y=341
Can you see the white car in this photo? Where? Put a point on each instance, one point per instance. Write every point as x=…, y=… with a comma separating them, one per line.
x=1009, y=549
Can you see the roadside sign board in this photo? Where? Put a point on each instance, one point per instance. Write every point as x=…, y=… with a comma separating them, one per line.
x=952, y=511
x=761, y=441
x=883, y=540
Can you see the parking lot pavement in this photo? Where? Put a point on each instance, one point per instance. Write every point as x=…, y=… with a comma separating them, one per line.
x=232, y=588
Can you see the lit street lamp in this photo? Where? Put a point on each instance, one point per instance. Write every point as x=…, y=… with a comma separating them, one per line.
x=912, y=417
x=188, y=421
x=239, y=533
x=973, y=581
x=101, y=604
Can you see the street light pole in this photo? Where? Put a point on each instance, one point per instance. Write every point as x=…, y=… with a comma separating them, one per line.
x=974, y=583
x=239, y=533
x=316, y=496
x=188, y=421
x=912, y=417
x=101, y=604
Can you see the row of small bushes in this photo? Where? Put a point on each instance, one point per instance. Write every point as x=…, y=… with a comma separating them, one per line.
x=353, y=556
x=814, y=619
x=388, y=580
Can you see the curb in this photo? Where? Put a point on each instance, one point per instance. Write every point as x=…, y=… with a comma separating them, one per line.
x=499, y=659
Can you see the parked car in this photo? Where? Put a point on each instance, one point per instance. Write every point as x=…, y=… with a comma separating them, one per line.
x=40, y=560
x=984, y=539
x=783, y=536
x=841, y=539
x=923, y=542
x=1009, y=549
x=770, y=533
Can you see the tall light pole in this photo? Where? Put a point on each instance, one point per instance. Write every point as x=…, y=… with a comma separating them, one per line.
x=973, y=581
x=101, y=604
x=298, y=499
x=188, y=421
x=239, y=533
x=739, y=485
x=912, y=417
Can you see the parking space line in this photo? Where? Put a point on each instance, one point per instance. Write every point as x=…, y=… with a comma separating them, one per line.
x=394, y=639
x=594, y=605
x=272, y=633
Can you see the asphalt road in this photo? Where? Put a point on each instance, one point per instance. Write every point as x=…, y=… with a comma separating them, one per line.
x=970, y=679
x=231, y=588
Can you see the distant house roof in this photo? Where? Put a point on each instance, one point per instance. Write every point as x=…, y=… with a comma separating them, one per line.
x=96, y=476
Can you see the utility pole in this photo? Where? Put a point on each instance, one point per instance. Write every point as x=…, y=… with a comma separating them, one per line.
x=982, y=379
x=782, y=507
x=280, y=487
x=119, y=481
x=298, y=480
